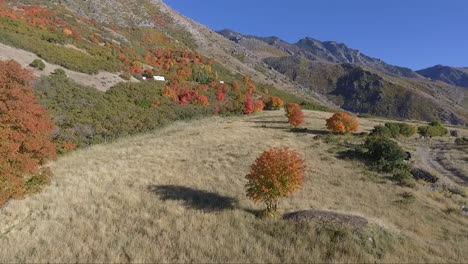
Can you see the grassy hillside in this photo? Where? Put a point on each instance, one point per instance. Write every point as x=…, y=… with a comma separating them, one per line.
x=177, y=195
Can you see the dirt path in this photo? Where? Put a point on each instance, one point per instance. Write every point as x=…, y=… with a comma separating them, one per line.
x=434, y=159
x=101, y=81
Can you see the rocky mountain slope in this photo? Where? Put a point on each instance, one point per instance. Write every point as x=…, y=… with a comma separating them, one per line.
x=452, y=75
x=315, y=50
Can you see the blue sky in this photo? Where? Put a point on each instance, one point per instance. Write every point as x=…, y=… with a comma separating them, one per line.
x=411, y=33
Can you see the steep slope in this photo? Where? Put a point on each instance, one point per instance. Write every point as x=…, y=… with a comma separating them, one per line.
x=451, y=75
x=155, y=13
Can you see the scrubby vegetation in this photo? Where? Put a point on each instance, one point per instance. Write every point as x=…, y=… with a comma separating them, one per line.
x=394, y=130
x=434, y=129
x=25, y=131
x=461, y=141
x=277, y=173
x=38, y=64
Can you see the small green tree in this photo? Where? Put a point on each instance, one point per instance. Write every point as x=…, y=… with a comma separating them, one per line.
x=38, y=64
x=384, y=153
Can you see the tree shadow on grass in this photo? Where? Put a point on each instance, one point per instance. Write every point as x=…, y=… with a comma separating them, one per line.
x=268, y=122
x=309, y=131
x=195, y=199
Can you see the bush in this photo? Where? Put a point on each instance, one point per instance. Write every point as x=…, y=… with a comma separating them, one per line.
x=59, y=72
x=405, y=178
x=394, y=130
x=25, y=130
x=342, y=122
x=277, y=173
x=461, y=141
x=382, y=131
x=407, y=130
x=384, y=153
x=294, y=114
x=38, y=64
x=275, y=103
x=434, y=129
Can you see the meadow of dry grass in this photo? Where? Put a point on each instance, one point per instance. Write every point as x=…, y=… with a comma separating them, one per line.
x=177, y=195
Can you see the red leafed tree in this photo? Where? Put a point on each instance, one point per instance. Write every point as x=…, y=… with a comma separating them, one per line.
x=342, y=122
x=248, y=105
x=219, y=95
x=277, y=173
x=25, y=130
x=294, y=114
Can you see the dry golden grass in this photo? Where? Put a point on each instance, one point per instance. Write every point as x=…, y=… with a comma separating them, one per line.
x=177, y=195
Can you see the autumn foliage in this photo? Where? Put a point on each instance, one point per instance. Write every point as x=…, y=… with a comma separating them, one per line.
x=275, y=103
x=294, y=114
x=277, y=173
x=342, y=122
x=248, y=105
x=25, y=130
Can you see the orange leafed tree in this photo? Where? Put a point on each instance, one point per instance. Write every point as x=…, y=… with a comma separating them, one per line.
x=25, y=130
x=275, y=103
x=294, y=114
x=259, y=105
x=277, y=173
x=342, y=122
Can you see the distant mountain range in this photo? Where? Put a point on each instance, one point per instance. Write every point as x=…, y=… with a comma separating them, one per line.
x=451, y=75
x=326, y=51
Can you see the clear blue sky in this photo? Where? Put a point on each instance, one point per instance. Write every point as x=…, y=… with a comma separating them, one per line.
x=411, y=33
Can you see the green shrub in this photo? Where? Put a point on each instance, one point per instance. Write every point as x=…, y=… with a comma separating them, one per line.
x=382, y=131
x=404, y=177
x=461, y=141
x=434, y=129
x=394, y=129
x=384, y=153
x=38, y=64
x=59, y=72
x=407, y=130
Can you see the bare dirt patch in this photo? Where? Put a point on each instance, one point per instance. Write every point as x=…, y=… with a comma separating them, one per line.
x=101, y=81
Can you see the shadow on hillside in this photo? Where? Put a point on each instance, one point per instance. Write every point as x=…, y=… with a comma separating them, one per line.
x=267, y=122
x=351, y=154
x=192, y=198
x=309, y=131
x=272, y=127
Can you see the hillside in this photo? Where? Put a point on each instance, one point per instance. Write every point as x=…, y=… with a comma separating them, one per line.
x=451, y=75
x=161, y=196
x=359, y=83
x=364, y=90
